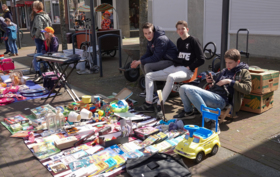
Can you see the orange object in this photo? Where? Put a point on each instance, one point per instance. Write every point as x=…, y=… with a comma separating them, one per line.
x=49, y=30
x=193, y=77
x=3, y=84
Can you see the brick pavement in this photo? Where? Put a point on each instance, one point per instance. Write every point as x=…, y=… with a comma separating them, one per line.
x=251, y=139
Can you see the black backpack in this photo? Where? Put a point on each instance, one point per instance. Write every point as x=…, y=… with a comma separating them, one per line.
x=157, y=165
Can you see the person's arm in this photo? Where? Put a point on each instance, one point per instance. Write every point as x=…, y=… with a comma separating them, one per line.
x=10, y=16
x=245, y=85
x=160, y=49
x=54, y=44
x=147, y=54
x=200, y=58
x=39, y=27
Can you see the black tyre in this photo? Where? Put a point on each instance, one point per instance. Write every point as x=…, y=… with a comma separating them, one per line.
x=131, y=75
x=199, y=157
x=112, y=53
x=214, y=150
x=142, y=82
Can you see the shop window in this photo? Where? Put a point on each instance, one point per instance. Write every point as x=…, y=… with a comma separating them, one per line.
x=52, y=8
x=74, y=15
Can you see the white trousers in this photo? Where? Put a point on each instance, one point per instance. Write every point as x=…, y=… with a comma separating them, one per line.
x=170, y=75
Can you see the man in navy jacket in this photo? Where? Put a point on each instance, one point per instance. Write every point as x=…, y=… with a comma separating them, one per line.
x=160, y=50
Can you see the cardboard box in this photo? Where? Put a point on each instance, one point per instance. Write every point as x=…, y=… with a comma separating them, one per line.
x=65, y=142
x=257, y=103
x=122, y=95
x=264, y=82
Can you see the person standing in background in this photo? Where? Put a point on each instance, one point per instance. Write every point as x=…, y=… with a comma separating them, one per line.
x=6, y=14
x=41, y=21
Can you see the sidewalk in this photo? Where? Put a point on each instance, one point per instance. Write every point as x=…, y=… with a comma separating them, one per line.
x=246, y=148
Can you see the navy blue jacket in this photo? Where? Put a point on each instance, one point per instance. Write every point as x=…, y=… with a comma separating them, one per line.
x=53, y=46
x=3, y=25
x=160, y=48
x=8, y=14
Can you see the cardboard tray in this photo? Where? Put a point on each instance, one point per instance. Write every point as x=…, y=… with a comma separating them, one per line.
x=122, y=95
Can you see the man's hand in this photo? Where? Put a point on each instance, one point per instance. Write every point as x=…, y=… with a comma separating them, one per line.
x=135, y=63
x=209, y=79
x=6, y=38
x=224, y=82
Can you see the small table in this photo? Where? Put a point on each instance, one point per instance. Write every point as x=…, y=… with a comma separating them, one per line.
x=54, y=64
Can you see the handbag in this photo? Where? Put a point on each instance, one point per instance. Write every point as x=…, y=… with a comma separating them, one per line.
x=7, y=64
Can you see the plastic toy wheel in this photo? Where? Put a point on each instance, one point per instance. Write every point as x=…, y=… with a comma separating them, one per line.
x=142, y=82
x=209, y=50
x=132, y=74
x=214, y=150
x=199, y=157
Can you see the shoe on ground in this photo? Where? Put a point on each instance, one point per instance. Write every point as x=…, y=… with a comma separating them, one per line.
x=38, y=79
x=145, y=108
x=184, y=115
x=213, y=126
x=6, y=52
x=16, y=54
x=12, y=54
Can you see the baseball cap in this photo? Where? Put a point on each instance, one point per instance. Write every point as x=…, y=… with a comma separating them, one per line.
x=48, y=29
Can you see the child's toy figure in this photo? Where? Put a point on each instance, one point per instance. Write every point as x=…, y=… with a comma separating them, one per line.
x=105, y=24
x=12, y=37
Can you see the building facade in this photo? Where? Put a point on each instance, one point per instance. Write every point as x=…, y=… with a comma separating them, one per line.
x=261, y=18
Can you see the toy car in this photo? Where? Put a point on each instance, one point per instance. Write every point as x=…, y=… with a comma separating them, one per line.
x=200, y=141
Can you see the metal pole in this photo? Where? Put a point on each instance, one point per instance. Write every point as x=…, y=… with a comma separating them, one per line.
x=19, y=42
x=224, y=35
x=93, y=36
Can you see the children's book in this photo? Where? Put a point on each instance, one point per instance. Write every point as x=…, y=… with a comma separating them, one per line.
x=150, y=140
x=118, y=150
x=68, y=159
x=43, y=150
x=76, y=165
x=152, y=149
x=112, y=164
x=16, y=119
x=79, y=154
x=58, y=167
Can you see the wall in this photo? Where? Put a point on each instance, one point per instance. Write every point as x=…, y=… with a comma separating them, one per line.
x=122, y=8
x=196, y=18
x=263, y=46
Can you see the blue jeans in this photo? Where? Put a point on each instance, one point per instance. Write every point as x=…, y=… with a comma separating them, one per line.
x=39, y=43
x=7, y=46
x=13, y=46
x=198, y=96
x=36, y=63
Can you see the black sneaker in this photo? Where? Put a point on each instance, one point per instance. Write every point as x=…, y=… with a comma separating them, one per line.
x=6, y=52
x=145, y=108
x=155, y=99
x=184, y=115
x=213, y=126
